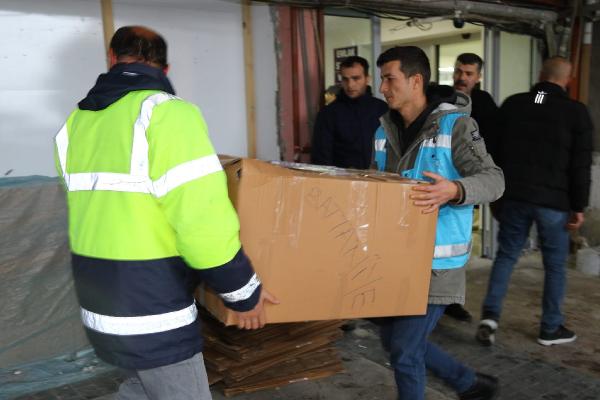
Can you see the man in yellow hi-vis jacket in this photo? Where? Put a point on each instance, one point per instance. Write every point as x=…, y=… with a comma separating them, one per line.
x=149, y=217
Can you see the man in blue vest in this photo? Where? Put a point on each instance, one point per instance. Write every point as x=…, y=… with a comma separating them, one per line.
x=428, y=134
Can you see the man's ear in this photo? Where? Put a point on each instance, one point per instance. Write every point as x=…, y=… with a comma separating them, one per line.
x=166, y=69
x=417, y=81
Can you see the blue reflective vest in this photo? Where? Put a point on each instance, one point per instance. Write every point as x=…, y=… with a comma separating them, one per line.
x=453, y=233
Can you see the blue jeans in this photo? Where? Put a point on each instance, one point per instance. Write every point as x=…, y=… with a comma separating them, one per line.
x=516, y=219
x=411, y=354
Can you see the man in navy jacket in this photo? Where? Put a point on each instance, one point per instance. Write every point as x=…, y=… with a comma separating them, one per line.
x=343, y=133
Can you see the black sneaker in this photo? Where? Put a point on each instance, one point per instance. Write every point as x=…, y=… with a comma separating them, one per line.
x=559, y=336
x=485, y=387
x=486, y=332
x=458, y=312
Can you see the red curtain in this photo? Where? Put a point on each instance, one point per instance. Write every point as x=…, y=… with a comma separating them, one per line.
x=299, y=36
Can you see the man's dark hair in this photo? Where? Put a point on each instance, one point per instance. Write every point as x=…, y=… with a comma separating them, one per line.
x=350, y=61
x=470, y=58
x=412, y=59
x=141, y=43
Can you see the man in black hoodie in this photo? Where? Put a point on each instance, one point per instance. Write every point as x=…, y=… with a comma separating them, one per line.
x=544, y=146
x=343, y=133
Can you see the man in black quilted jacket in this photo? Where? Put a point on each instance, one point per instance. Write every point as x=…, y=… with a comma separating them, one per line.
x=544, y=146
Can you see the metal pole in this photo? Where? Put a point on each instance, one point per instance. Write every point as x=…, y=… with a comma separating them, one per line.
x=496, y=65
x=376, y=50
x=491, y=49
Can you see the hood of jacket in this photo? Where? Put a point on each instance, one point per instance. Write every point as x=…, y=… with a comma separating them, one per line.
x=122, y=79
x=448, y=101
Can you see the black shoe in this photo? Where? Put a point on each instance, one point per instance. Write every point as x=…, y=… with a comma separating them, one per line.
x=485, y=387
x=458, y=312
x=486, y=332
x=559, y=336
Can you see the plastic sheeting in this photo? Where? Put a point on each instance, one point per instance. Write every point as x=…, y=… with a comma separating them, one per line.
x=39, y=313
x=20, y=382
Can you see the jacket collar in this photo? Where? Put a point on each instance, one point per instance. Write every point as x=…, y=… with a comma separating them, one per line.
x=122, y=79
x=343, y=97
x=549, y=87
x=460, y=104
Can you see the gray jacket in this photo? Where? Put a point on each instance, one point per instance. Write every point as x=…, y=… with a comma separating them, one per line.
x=482, y=180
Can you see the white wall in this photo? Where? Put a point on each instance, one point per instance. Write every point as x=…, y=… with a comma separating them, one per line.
x=344, y=32
x=515, y=64
x=49, y=59
x=52, y=53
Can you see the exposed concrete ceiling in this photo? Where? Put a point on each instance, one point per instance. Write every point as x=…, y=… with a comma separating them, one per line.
x=517, y=16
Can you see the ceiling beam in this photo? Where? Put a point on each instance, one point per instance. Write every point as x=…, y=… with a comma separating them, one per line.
x=414, y=7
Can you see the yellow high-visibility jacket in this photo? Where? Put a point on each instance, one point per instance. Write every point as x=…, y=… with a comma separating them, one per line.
x=149, y=216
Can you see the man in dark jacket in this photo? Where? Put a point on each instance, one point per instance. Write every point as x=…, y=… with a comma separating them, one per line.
x=467, y=78
x=343, y=134
x=544, y=147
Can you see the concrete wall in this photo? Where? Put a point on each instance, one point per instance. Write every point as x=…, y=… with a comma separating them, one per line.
x=52, y=53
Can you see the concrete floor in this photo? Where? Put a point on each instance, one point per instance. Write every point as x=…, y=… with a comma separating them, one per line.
x=526, y=369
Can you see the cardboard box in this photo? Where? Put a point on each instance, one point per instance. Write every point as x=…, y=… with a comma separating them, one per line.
x=330, y=243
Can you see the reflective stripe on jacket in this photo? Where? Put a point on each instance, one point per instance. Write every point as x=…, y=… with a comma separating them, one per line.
x=453, y=233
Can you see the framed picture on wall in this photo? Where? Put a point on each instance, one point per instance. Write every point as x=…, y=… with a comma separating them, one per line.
x=339, y=54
